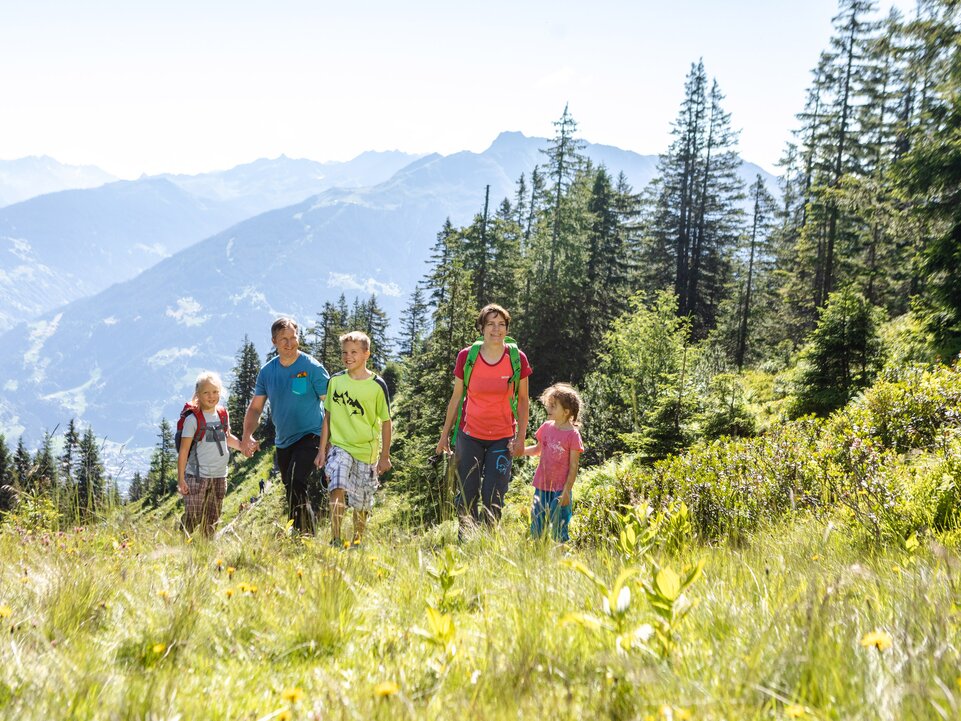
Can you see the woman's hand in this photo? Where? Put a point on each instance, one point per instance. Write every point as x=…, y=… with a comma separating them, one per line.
x=517, y=447
x=443, y=445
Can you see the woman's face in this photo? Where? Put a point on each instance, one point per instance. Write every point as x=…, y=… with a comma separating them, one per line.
x=495, y=328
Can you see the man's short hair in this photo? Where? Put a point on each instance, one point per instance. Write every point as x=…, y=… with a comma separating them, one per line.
x=356, y=336
x=282, y=324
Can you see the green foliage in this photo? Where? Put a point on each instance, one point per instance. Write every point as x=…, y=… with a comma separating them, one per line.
x=842, y=357
x=242, y=383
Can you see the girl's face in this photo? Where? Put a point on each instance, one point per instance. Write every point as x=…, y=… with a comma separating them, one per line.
x=555, y=411
x=208, y=395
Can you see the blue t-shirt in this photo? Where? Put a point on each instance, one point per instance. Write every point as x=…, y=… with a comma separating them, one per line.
x=294, y=393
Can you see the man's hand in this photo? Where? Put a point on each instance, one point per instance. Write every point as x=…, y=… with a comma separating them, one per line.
x=249, y=447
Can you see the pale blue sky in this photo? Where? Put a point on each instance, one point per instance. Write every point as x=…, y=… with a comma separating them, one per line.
x=189, y=86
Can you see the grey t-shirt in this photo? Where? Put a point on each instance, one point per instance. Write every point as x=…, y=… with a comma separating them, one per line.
x=208, y=457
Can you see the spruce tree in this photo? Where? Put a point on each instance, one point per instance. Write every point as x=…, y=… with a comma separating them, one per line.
x=6, y=463
x=162, y=477
x=44, y=477
x=137, y=488
x=90, y=475
x=71, y=447
x=413, y=323
x=242, y=384
x=22, y=466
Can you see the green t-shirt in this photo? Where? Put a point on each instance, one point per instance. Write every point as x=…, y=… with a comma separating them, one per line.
x=356, y=411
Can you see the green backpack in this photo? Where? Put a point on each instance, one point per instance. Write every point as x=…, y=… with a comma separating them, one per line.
x=472, y=354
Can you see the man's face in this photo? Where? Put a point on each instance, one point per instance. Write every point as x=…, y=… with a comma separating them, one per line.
x=286, y=342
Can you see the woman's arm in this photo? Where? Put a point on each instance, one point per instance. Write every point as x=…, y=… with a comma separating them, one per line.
x=523, y=418
x=443, y=445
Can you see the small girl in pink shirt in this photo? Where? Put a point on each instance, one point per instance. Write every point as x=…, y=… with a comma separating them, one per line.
x=559, y=446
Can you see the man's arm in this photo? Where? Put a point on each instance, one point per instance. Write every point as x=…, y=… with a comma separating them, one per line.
x=251, y=422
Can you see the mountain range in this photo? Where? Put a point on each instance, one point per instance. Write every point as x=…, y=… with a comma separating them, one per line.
x=125, y=357
x=28, y=177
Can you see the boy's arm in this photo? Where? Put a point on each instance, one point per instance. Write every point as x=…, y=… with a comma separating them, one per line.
x=575, y=459
x=182, y=454
x=384, y=464
x=321, y=458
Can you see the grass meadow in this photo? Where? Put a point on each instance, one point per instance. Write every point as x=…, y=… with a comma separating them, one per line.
x=123, y=619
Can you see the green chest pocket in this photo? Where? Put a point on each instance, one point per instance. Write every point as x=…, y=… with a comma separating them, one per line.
x=298, y=386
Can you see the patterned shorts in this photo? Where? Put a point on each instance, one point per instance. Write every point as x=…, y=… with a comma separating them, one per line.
x=357, y=478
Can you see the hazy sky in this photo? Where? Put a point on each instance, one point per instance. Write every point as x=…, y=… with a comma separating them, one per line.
x=188, y=86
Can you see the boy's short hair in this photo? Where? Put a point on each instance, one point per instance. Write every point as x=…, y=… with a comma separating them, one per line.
x=356, y=336
x=492, y=309
x=280, y=324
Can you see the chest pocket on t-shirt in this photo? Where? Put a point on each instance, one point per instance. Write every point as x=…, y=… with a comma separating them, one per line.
x=299, y=386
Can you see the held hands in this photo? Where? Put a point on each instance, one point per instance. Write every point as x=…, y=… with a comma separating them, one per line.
x=249, y=446
x=517, y=447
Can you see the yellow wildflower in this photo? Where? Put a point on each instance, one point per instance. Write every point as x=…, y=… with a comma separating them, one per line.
x=292, y=695
x=230, y=571
x=881, y=640
x=300, y=573
x=190, y=540
x=284, y=715
x=159, y=648
x=252, y=589
x=219, y=563
x=165, y=595
x=229, y=592
x=386, y=688
x=795, y=711
x=5, y=612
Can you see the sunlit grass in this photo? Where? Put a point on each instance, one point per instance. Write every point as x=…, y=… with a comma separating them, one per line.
x=125, y=620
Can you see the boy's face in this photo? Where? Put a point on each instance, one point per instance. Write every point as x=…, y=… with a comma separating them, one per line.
x=208, y=395
x=354, y=355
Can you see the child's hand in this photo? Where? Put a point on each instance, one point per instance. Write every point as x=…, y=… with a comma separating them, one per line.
x=321, y=458
x=384, y=465
x=565, y=498
x=183, y=487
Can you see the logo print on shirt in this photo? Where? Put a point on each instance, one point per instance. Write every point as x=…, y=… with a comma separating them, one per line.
x=356, y=409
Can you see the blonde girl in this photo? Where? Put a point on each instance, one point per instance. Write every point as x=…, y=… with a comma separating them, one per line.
x=205, y=440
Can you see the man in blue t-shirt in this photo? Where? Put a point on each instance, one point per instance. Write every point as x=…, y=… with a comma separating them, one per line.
x=295, y=384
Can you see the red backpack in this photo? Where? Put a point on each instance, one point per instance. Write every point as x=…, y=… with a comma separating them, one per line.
x=190, y=409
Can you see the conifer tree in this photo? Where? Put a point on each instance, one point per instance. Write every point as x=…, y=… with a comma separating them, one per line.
x=137, y=488
x=44, y=477
x=242, y=384
x=413, y=323
x=6, y=463
x=71, y=447
x=89, y=474
x=162, y=477
x=22, y=466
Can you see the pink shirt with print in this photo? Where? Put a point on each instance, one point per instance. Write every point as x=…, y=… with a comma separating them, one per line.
x=556, y=445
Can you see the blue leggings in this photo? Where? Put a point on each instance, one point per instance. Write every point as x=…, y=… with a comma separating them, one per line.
x=484, y=472
x=546, y=509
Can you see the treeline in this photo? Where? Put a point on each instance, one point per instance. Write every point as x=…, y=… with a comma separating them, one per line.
x=71, y=484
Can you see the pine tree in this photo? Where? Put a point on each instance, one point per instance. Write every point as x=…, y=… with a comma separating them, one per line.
x=136, y=490
x=413, y=323
x=22, y=467
x=6, y=463
x=242, y=384
x=44, y=477
x=162, y=477
x=90, y=475
x=71, y=447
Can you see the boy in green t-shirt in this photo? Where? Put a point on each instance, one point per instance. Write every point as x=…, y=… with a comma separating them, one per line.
x=355, y=438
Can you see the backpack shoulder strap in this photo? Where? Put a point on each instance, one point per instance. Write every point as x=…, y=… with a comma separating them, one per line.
x=224, y=418
x=472, y=354
x=201, y=424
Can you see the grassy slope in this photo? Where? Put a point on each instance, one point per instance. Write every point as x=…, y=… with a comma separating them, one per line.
x=126, y=621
